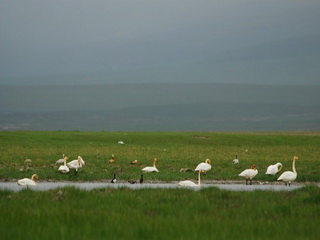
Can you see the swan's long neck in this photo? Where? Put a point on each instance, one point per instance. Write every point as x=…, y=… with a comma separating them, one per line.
x=154, y=164
x=294, y=166
x=33, y=178
x=279, y=165
x=65, y=162
x=198, y=178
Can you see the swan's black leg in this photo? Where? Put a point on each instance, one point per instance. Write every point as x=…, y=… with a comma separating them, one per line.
x=250, y=181
x=246, y=181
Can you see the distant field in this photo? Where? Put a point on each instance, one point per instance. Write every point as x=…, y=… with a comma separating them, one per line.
x=161, y=107
x=174, y=150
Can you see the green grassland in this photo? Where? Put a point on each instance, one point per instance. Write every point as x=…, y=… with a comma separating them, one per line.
x=160, y=214
x=174, y=150
x=209, y=213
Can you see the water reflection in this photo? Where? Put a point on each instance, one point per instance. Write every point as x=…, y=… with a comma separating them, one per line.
x=44, y=186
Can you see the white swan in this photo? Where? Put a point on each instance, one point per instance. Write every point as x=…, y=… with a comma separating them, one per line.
x=151, y=169
x=289, y=176
x=188, y=183
x=82, y=161
x=274, y=169
x=61, y=160
x=64, y=168
x=28, y=181
x=248, y=174
x=204, y=167
x=236, y=160
x=76, y=164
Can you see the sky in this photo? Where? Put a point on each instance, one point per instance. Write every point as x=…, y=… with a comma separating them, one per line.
x=111, y=41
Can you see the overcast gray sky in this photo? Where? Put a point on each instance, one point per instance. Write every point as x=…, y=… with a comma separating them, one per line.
x=102, y=41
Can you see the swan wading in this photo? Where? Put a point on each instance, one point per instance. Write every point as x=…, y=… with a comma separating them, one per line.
x=188, y=183
x=151, y=169
x=288, y=176
x=248, y=174
x=28, y=181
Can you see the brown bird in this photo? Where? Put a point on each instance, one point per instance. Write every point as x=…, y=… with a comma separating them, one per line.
x=112, y=160
x=132, y=181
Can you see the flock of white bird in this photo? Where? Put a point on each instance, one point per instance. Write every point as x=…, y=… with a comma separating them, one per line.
x=287, y=177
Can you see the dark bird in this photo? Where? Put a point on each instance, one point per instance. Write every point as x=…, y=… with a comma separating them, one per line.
x=114, y=180
x=132, y=181
x=141, y=178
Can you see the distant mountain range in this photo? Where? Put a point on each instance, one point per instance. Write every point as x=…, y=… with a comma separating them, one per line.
x=161, y=107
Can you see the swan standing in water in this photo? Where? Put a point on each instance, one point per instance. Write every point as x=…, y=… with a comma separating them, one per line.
x=248, y=174
x=151, y=169
x=204, y=167
x=274, y=169
x=288, y=176
x=28, y=181
x=76, y=164
x=64, y=168
x=188, y=183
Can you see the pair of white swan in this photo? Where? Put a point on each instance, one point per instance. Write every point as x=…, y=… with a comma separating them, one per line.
x=75, y=164
x=202, y=167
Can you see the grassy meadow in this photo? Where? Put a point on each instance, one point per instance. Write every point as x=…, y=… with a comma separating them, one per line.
x=174, y=150
x=160, y=214
x=210, y=213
